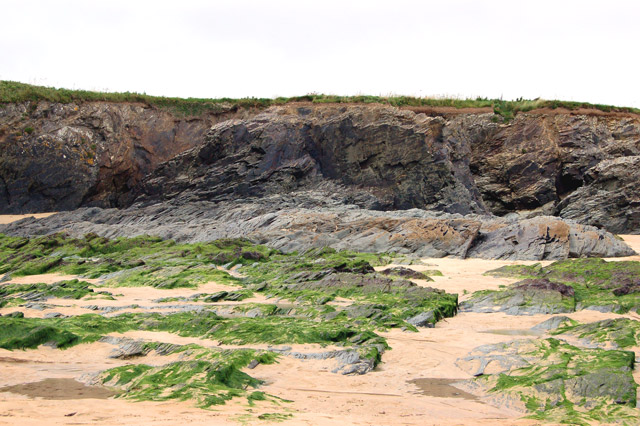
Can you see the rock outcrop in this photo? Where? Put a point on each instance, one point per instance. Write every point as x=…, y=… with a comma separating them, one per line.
x=580, y=165
x=383, y=158
x=302, y=221
x=554, y=380
x=62, y=156
x=528, y=297
x=573, y=166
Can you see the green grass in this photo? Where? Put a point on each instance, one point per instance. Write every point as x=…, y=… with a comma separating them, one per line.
x=11, y=91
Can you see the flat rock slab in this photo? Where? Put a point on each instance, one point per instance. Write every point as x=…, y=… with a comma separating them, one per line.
x=301, y=221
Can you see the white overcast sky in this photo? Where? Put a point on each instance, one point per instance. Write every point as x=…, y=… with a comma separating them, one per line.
x=561, y=49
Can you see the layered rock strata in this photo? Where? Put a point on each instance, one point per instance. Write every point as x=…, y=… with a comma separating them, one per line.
x=303, y=221
x=578, y=165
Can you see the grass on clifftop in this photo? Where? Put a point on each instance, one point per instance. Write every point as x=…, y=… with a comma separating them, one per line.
x=11, y=91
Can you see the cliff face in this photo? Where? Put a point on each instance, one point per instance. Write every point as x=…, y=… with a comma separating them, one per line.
x=62, y=156
x=376, y=157
x=581, y=165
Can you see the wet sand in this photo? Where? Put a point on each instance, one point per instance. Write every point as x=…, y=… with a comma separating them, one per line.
x=59, y=389
x=412, y=386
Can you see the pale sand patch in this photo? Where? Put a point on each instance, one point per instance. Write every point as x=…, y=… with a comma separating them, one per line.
x=125, y=296
x=146, y=295
x=385, y=395
x=8, y=218
x=44, y=362
x=18, y=410
x=48, y=279
x=459, y=275
x=341, y=302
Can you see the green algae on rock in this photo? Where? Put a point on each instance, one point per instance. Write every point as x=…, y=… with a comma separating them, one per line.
x=557, y=382
x=617, y=332
x=597, y=284
x=528, y=297
x=71, y=289
x=204, y=376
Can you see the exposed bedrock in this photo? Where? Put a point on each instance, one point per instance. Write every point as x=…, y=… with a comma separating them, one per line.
x=573, y=166
x=384, y=158
x=61, y=156
x=302, y=221
x=579, y=166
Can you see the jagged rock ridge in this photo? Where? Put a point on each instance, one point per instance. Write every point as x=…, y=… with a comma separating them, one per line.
x=580, y=166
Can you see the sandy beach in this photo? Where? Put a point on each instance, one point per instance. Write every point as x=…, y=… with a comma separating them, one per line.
x=405, y=389
x=8, y=218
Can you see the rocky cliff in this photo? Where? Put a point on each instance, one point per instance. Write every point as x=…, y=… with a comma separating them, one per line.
x=375, y=157
x=57, y=156
x=580, y=165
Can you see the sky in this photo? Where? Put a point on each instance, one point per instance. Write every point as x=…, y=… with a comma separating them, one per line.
x=561, y=49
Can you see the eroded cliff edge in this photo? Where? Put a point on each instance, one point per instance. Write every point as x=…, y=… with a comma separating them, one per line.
x=580, y=165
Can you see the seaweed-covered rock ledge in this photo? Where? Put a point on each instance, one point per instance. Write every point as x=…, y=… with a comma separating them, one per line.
x=312, y=219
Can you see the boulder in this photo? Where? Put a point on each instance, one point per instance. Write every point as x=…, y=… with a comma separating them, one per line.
x=527, y=297
x=401, y=271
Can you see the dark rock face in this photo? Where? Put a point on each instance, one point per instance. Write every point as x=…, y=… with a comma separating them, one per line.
x=584, y=167
x=385, y=158
x=611, y=199
x=62, y=156
x=534, y=285
x=574, y=166
x=401, y=271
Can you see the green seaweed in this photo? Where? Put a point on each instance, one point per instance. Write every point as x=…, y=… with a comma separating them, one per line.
x=209, y=378
x=622, y=332
x=71, y=289
x=595, y=281
x=21, y=333
x=135, y=261
x=567, y=384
